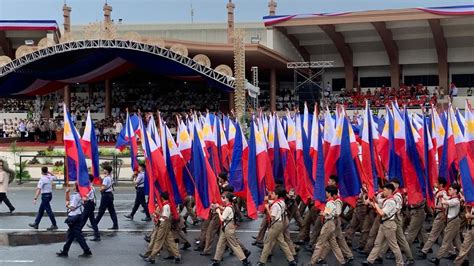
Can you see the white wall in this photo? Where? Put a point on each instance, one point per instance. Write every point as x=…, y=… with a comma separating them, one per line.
x=421, y=56
x=282, y=45
x=419, y=69
x=371, y=59
x=374, y=71
x=461, y=54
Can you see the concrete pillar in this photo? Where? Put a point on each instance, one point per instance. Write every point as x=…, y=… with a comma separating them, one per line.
x=67, y=97
x=349, y=74
x=67, y=18
x=272, y=5
x=108, y=99
x=107, y=13
x=230, y=21
x=443, y=77
x=395, y=75
x=273, y=89
x=231, y=101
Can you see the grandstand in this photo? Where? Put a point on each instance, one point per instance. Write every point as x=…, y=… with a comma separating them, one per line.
x=410, y=54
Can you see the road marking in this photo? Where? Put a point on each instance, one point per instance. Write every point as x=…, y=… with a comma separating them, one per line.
x=17, y=261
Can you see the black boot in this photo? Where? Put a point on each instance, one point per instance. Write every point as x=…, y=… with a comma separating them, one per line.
x=215, y=263
x=435, y=261
x=186, y=246
x=245, y=262
x=61, y=254
x=86, y=254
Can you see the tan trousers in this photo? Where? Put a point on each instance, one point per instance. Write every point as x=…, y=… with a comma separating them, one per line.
x=211, y=233
x=415, y=228
x=465, y=247
x=386, y=234
x=327, y=237
x=275, y=236
x=202, y=235
x=437, y=228
x=401, y=239
x=152, y=240
x=451, y=234
x=294, y=212
x=165, y=238
x=372, y=235
x=261, y=231
x=287, y=238
x=318, y=224
x=228, y=238
x=357, y=220
x=308, y=220
x=189, y=205
x=365, y=230
x=341, y=241
x=178, y=231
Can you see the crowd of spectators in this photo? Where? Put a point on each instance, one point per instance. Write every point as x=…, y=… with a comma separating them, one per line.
x=411, y=96
x=29, y=129
x=11, y=105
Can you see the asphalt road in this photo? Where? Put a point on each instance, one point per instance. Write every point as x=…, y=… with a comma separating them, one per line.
x=123, y=246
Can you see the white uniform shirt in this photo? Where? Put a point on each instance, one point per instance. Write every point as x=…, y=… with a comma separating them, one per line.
x=398, y=200
x=227, y=214
x=91, y=194
x=140, y=181
x=453, y=207
x=389, y=208
x=45, y=184
x=165, y=212
x=107, y=183
x=330, y=210
x=277, y=210
x=75, y=203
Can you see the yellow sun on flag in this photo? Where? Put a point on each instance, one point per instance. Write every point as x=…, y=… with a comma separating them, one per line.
x=183, y=136
x=291, y=130
x=258, y=138
x=339, y=132
x=271, y=137
x=470, y=127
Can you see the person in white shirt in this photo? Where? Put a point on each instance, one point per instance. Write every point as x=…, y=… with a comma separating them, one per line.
x=74, y=221
x=4, y=180
x=118, y=128
x=45, y=188
x=107, y=198
x=140, y=195
x=88, y=212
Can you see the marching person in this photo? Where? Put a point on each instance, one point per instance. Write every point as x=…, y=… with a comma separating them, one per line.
x=388, y=226
x=163, y=237
x=227, y=236
x=4, y=180
x=140, y=195
x=453, y=222
x=328, y=231
x=74, y=221
x=88, y=212
x=275, y=233
x=468, y=239
x=107, y=198
x=45, y=189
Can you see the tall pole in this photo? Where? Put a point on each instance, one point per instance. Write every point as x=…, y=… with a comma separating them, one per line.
x=239, y=70
x=67, y=29
x=230, y=33
x=272, y=5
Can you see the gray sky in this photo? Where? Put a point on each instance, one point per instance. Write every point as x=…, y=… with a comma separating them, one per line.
x=165, y=11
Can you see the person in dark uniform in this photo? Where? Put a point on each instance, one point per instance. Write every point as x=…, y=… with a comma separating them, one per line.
x=140, y=195
x=107, y=199
x=74, y=221
x=88, y=212
x=45, y=188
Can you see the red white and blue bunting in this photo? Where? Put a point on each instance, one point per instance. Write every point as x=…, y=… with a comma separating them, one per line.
x=28, y=25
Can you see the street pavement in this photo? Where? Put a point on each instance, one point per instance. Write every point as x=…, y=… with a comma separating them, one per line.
x=123, y=246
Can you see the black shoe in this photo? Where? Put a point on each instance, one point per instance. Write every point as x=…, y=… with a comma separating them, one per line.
x=204, y=254
x=390, y=256
x=169, y=258
x=254, y=237
x=52, y=228
x=150, y=260
x=410, y=262
x=435, y=261
x=195, y=222
x=186, y=246
x=260, y=264
x=147, y=239
x=12, y=210
x=321, y=262
x=197, y=249
x=269, y=258
x=465, y=263
x=292, y=263
x=184, y=230
x=61, y=254
x=366, y=263
x=86, y=254
x=33, y=225
x=113, y=228
x=128, y=216
x=215, y=263
x=95, y=239
x=378, y=260
x=299, y=242
x=348, y=260
x=146, y=219
x=451, y=257
x=142, y=256
x=422, y=256
x=245, y=262
x=247, y=254
x=177, y=260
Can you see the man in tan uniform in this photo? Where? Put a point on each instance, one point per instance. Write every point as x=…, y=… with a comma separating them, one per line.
x=327, y=238
x=468, y=240
x=388, y=227
x=439, y=222
x=275, y=234
x=451, y=231
x=163, y=237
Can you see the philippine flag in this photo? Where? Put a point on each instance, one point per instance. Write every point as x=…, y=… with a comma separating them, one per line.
x=76, y=161
x=304, y=183
x=91, y=148
x=317, y=155
x=239, y=162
